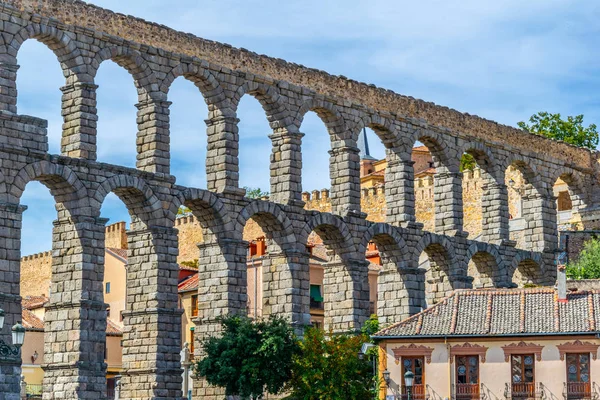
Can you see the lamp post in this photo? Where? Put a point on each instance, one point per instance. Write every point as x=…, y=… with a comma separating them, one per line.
x=408, y=382
x=361, y=355
x=8, y=352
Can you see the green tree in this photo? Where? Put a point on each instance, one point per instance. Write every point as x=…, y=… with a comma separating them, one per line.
x=328, y=368
x=183, y=210
x=570, y=131
x=587, y=265
x=467, y=162
x=250, y=357
x=255, y=193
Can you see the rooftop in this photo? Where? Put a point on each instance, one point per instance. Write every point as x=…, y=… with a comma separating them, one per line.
x=503, y=312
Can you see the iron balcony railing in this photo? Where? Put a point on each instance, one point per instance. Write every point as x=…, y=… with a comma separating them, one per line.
x=466, y=391
x=418, y=392
x=580, y=391
x=524, y=391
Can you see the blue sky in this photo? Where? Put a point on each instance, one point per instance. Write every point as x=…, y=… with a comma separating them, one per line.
x=502, y=60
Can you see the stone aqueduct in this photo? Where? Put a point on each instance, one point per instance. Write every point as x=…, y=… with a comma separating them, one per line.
x=83, y=37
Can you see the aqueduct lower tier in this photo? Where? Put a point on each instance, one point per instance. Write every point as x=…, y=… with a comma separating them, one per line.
x=84, y=36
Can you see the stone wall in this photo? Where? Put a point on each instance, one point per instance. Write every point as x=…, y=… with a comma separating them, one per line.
x=36, y=273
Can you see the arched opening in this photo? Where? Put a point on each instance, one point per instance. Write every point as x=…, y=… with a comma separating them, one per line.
x=484, y=270
x=527, y=273
x=436, y=262
x=373, y=166
x=116, y=99
x=569, y=200
x=254, y=147
x=39, y=94
x=188, y=140
x=315, y=159
x=428, y=161
x=524, y=206
x=477, y=193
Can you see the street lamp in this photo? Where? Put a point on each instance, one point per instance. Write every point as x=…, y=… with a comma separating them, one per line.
x=8, y=352
x=408, y=382
x=361, y=355
x=386, y=377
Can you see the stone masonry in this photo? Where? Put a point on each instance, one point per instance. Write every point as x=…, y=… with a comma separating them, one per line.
x=83, y=36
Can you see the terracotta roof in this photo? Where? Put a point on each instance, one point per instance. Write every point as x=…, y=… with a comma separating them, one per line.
x=187, y=268
x=112, y=328
x=33, y=302
x=189, y=284
x=319, y=253
x=31, y=322
x=423, y=149
x=118, y=252
x=428, y=171
x=511, y=312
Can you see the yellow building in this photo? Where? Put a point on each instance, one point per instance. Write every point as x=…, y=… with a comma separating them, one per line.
x=497, y=343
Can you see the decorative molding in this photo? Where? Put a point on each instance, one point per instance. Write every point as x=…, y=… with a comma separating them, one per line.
x=468, y=349
x=578, y=347
x=412, y=350
x=522, y=348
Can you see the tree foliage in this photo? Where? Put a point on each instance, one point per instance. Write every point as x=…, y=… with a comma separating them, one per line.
x=250, y=357
x=328, y=368
x=467, y=162
x=587, y=265
x=255, y=193
x=570, y=131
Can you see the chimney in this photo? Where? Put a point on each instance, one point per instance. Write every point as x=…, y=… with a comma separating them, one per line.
x=561, y=282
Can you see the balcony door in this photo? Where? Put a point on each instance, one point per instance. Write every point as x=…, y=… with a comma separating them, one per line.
x=467, y=378
x=523, y=376
x=578, y=376
x=416, y=366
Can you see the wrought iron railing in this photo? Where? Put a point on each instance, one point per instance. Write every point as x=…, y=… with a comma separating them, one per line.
x=580, y=391
x=466, y=391
x=418, y=392
x=316, y=305
x=524, y=391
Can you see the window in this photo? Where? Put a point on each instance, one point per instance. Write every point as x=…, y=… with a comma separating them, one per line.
x=522, y=376
x=106, y=352
x=195, y=305
x=416, y=366
x=316, y=298
x=191, y=342
x=107, y=289
x=578, y=376
x=108, y=312
x=467, y=377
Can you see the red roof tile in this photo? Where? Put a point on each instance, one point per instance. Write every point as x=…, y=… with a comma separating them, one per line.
x=113, y=329
x=118, y=252
x=31, y=322
x=189, y=284
x=33, y=302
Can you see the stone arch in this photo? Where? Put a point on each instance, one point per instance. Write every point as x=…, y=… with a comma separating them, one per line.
x=328, y=113
x=383, y=128
x=485, y=265
x=529, y=171
x=64, y=184
x=333, y=231
x=439, y=265
x=133, y=62
x=272, y=220
x=443, y=155
x=485, y=159
x=575, y=186
x=141, y=202
x=269, y=98
x=204, y=80
x=526, y=268
x=389, y=243
x=208, y=209
x=57, y=41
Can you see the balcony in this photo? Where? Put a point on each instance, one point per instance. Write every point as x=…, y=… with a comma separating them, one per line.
x=466, y=391
x=316, y=305
x=524, y=391
x=34, y=392
x=580, y=391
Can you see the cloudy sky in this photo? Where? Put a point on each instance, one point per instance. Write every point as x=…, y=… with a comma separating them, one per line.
x=502, y=60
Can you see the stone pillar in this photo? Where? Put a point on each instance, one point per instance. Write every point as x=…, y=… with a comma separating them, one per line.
x=286, y=168
x=10, y=300
x=286, y=286
x=222, y=290
x=494, y=208
x=80, y=120
x=153, y=136
x=222, y=166
x=8, y=87
x=346, y=292
x=541, y=233
x=152, y=320
x=344, y=167
x=400, y=192
x=400, y=294
x=75, y=318
x=447, y=194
